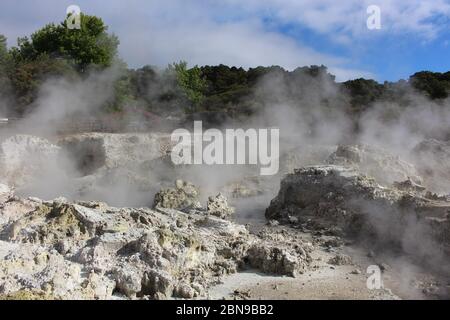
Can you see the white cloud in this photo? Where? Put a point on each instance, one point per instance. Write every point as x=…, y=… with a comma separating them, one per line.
x=241, y=44
x=349, y=16
x=161, y=34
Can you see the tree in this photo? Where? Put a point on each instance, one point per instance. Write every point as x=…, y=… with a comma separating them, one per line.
x=3, y=49
x=5, y=71
x=142, y=79
x=27, y=77
x=435, y=84
x=89, y=45
x=57, y=51
x=190, y=80
x=123, y=90
x=363, y=93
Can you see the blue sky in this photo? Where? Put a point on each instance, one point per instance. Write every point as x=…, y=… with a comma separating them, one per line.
x=414, y=34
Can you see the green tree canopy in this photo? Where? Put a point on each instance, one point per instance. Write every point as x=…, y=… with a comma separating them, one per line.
x=435, y=84
x=28, y=76
x=190, y=80
x=5, y=72
x=363, y=92
x=3, y=48
x=89, y=45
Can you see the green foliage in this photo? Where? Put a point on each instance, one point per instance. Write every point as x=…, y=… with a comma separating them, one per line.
x=158, y=91
x=190, y=80
x=225, y=88
x=90, y=45
x=28, y=77
x=3, y=49
x=234, y=89
x=5, y=72
x=57, y=51
x=435, y=84
x=142, y=80
x=123, y=90
x=221, y=79
x=362, y=93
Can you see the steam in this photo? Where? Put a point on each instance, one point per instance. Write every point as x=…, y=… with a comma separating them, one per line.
x=60, y=99
x=310, y=111
x=398, y=128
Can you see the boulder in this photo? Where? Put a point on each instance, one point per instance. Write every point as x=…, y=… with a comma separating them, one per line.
x=184, y=197
x=87, y=250
x=341, y=198
x=218, y=206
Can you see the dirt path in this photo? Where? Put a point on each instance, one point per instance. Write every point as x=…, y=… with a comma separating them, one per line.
x=326, y=280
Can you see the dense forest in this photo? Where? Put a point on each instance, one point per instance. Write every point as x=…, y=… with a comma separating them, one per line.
x=58, y=52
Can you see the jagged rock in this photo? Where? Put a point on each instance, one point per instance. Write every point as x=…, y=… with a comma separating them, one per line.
x=336, y=196
x=340, y=260
x=184, y=197
x=33, y=268
x=218, y=206
x=274, y=260
x=376, y=163
x=88, y=250
x=280, y=252
x=185, y=291
x=128, y=281
x=409, y=185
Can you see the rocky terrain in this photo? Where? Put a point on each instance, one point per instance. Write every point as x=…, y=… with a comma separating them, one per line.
x=346, y=202
x=88, y=250
x=133, y=226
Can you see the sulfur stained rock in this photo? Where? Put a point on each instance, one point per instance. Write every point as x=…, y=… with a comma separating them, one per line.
x=274, y=260
x=340, y=260
x=184, y=197
x=88, y=250
x=327, y=197
x=218, y=206
x=280, y=252
x=128, y=281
